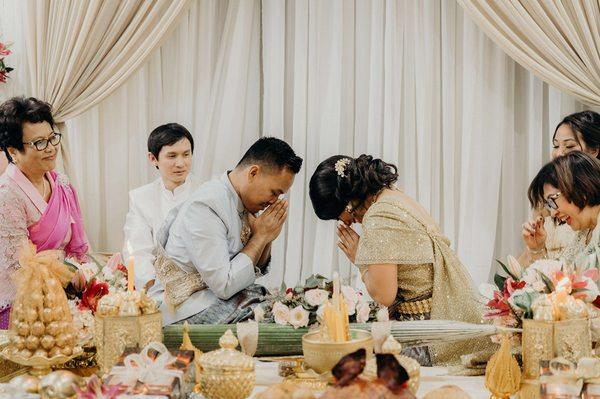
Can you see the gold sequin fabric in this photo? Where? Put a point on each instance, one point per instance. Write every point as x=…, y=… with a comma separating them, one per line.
x=426, y=263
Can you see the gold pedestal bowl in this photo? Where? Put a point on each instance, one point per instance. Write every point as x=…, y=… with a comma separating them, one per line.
x=321, y=355
x=40, y=366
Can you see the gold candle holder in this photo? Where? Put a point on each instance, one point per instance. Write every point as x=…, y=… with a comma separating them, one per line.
x=573, y=339
x=112, y=334
x=537, y=344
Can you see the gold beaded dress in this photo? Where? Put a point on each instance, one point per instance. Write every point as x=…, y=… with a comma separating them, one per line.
x=432, y=282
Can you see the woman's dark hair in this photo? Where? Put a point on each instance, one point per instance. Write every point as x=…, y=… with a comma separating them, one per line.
x=330, y=192
x=167, y=134
x=16, y=111
x=587, y=124
x=576, y=175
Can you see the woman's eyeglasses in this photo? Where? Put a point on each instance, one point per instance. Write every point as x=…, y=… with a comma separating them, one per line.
x=42, y=144
x=551, y=201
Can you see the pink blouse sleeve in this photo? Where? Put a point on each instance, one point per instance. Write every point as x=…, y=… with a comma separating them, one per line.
x=13, y=234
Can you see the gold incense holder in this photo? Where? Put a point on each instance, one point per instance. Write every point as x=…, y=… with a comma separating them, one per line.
x=112, y=334
x=321, y=355
x=40, y=366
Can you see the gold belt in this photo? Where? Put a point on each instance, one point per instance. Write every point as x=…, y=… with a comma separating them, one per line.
x=417, y=307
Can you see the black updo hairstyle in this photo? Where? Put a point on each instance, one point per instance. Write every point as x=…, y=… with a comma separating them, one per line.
x=587, y=124
x=363, y=176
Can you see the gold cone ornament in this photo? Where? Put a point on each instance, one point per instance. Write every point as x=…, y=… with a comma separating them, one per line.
x=502, y=374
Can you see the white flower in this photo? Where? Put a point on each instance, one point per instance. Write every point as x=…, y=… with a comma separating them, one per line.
x=281, y=313
x=349, y=293
x=362, y=312
x=340, y=166
x=545, y=266
x=539, y=286
x=591, y=291
x=259, y=314
x=83, y=322
x=351, y=298
x=89, y=270
x=320, y=311
x=298, y=317
x=514, y=267
x=350, y=306
x=316, y=297
x=487, y=290
x=108, y=274
x=383, y=315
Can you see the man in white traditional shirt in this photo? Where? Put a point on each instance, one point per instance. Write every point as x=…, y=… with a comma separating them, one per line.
x=170, y=149
x=214, y=246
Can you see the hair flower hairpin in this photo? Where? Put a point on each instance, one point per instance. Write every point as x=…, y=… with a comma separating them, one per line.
x=340, y=166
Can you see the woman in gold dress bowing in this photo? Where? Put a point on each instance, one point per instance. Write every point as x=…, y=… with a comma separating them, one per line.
x=405, y=261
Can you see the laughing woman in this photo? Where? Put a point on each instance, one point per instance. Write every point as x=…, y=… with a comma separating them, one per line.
x=569, y=187
x=542, y=237
x=36, y=203
x=405, y=261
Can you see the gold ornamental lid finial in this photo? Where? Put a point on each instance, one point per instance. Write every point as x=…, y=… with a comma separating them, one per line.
x=227, y=358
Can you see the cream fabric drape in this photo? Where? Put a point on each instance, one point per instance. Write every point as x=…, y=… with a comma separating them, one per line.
x=559, y=41
x=80, y=51
x=414, y=82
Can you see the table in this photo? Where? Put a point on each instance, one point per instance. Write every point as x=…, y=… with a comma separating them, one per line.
x=431, y=378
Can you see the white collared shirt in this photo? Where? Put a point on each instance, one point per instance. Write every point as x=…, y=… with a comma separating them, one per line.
x=204, y=234
x=149, y=205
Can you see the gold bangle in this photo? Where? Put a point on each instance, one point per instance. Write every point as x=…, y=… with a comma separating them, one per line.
x=540, y=251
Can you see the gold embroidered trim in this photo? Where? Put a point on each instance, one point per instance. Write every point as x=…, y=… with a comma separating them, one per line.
x=417, y=307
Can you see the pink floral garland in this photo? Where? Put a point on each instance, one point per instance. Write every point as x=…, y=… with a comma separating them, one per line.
x=4, y=70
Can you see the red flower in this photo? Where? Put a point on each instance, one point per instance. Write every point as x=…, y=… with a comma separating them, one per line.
x=4, y=50
x=511, y=286
x=121, y=267
x=499, y=304
x=2, y=77
x=596, y=302
x=92, y=294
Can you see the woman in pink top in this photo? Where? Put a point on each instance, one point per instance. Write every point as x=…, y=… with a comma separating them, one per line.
x=36, y=203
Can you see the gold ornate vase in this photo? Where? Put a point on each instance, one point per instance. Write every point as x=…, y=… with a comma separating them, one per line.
x=226, y=372
x=537, y=344
x=112, y=334
x=573, y=339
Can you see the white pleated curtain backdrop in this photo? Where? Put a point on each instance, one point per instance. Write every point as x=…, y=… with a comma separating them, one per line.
x=413, y=82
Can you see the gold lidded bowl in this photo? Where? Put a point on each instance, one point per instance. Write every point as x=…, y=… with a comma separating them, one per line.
x=227, y=373
x=321, y=355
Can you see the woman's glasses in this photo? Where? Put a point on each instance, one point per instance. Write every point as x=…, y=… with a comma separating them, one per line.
x=551, y=201
x=42, y=144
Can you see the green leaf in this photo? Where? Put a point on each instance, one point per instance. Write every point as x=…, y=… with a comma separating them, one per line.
x=283, y=287
x=499, y=281
x=71, y=266
x=547, y=282
x=314, y=281
x=506, y=270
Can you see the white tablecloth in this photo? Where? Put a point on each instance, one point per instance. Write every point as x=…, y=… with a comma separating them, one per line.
x=431, y=378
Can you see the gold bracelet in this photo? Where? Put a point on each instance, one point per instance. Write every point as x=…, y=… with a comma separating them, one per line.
x=537, y=252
